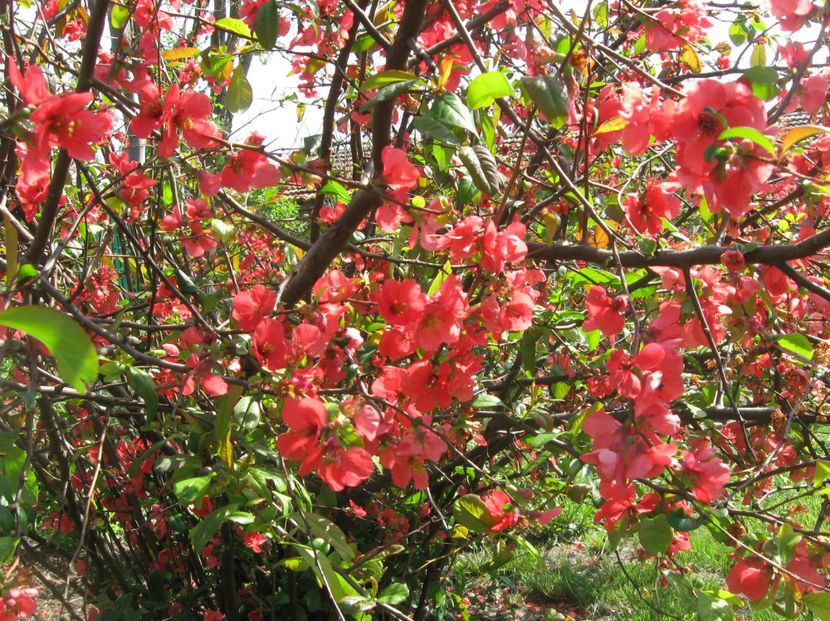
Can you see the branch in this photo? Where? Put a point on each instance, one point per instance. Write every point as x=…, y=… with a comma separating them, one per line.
x=94, y=31
x=334, y=240
x=802, y=281
x=708, y=255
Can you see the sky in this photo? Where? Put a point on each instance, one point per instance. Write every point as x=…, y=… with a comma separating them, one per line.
x=274, y=112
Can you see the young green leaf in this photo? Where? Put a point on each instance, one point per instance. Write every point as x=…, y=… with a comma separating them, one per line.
x=797, y=344
x=749, y=133
x=233, y=25
x=486, y=88
x=384, y=78
x=75, y=356
x=240, y=94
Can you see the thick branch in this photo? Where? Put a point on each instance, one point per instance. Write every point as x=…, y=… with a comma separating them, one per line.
x=94, y=31
x=333, y=241
x=325, y=249
x=708, y=255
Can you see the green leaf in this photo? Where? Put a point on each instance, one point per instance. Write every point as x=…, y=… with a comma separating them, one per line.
x=174, y=54
x=75, y=356
x=233, y=25
x=240, y=94
x=593, y=276
x=241, y=517
x=488, y=128
x=338, y=585
x=647, y=246
x=336, y=189
x=192, y=489
x=485, y=401
x=440, y=277
x=550, y=95
x=388, y=93
x=226, y=405
x=204, y=531
x=470, y=511
x=500, y=556
x=726, y=596
x=356, y=604
x=758, y=58
x=527, y=349
x=764, y=81
x=655, y=535
x=785, y=602
x=432, y=127
x=679, y=520
x=682, y=584
x=441, y=155
x=266, y=24
x=600, y=14
x=822, y=472
x=749, y=133
x=736, y=31
x=691, y=59
x=614, y=124
x=395, y=593
x=146, y=388
x=785, y=544
x=482, y=167
x=797, y=344
x=486, y=88
x=12, y=462
x=818, y=604
x=329, y=532
x=451, y=111
x=119, y=15
x=8, y=547
x=384, y=78
x=247, y=413
x=713, y=608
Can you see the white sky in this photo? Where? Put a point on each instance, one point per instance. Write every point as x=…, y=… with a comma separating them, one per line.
x=273, y=112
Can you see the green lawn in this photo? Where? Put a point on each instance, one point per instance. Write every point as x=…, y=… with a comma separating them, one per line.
x=578, y=574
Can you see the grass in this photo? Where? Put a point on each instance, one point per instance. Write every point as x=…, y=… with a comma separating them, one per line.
x=578, y=574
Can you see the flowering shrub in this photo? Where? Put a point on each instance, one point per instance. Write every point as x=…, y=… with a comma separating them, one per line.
x=566, y=247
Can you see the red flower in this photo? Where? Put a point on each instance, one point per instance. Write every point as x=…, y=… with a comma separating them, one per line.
x=401, y=303
x=249, y=168
x=791, y=13
x=250, y=307
x=341, y=467
x=398, y=172
x=708, y=473
x=604, y=313
x=65, y=122
x=751, y=577
x=442, y=317
x=59, y=121
x=254, y=541
x=186, y=112
x=499, y=505
x=270, y=346
x=646, y=213
x=306, y=420
x=733, y=260
x=731, y=179
x=179, y=111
